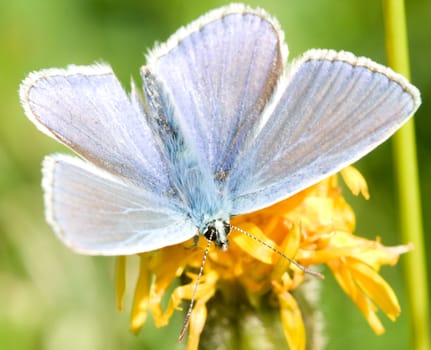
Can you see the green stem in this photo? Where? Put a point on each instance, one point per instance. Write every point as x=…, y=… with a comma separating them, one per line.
x=405, y=161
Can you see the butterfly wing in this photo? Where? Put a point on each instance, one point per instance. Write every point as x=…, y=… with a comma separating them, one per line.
x=94, y=212
x=220, y=71
x=86, y=108
x=332, y=109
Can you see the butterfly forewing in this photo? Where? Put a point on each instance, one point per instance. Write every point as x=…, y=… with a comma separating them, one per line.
x=87, y=109
x=220, y=72
x=334, y=109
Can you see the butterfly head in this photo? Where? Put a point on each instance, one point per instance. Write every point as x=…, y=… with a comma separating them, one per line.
x=217, y=232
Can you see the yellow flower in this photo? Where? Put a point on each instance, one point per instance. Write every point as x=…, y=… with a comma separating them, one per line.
x=313, y=227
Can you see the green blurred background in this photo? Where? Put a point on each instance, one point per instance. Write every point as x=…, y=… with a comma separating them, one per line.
x=51, y=298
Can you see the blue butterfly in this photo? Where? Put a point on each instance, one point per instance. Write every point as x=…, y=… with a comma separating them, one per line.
x=222, y=126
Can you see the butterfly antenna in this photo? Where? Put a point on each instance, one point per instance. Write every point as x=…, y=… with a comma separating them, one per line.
x=275, y=250
x=195, y=290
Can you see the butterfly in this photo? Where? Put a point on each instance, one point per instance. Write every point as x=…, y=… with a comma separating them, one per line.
x=222, y=126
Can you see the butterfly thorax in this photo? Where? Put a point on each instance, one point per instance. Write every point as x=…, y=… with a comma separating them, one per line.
x=217, y=232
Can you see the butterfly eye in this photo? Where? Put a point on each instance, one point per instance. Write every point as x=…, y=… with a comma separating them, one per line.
x=211, y=233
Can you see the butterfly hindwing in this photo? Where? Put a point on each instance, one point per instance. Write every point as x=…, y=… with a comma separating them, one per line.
x=94, y=212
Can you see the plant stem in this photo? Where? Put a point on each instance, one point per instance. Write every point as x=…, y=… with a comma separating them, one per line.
x=405, y=160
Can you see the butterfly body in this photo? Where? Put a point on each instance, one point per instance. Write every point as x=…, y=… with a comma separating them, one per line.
x=200, y=193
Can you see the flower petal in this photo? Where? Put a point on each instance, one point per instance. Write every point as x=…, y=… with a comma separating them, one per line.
x=254, y=247
x=141, y=298
x=355, y=181
x=290, y=248
x=197, y=324
x=291, y=318
x=376, y=288
x=346, y=280
x=120, y=281
x=168, y=264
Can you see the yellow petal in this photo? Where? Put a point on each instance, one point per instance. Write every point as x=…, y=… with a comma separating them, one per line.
x=254, y=247
x=141, y=298
x=120, y=281
x=167, y=264
x=291, y=318
x=197, y=324
x=378, y=254
x=376, y=288
x=205, y=290
x=346, y=280
x=355, y=181
x=170, y=261
x=343, y=244
x=368, y=309
x=343, y=277
x=289, y=247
